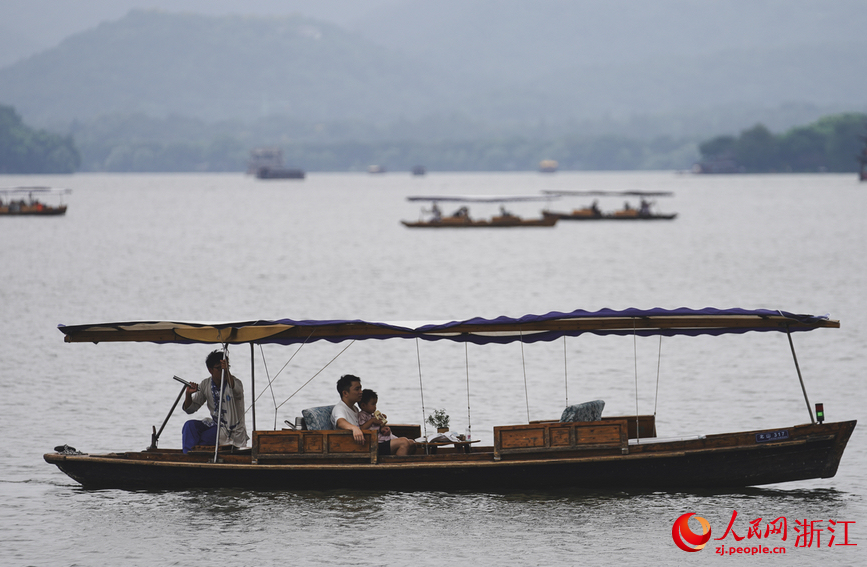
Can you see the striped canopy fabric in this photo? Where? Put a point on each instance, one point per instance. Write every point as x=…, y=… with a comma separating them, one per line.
x=478, y=330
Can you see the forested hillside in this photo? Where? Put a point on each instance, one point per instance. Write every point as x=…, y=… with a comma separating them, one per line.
x=829, y=144
x=25, y=150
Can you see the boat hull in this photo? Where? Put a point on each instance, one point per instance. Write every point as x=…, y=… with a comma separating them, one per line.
x=279, y=173
x=718, y=461
x=33, y=210
x=496, y=222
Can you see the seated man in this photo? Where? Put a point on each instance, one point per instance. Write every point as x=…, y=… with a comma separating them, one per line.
x=345, y=416
x=232, y=427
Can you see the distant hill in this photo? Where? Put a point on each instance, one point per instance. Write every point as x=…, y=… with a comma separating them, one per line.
x=670, y=67
x=218, y=68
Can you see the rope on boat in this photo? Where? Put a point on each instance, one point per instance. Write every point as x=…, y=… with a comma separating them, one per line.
x=271, y=380
x=315, y=375
x=467, y=364
x=524, y=365
x=267, y=387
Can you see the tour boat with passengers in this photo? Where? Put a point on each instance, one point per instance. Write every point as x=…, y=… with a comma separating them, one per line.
x=582, y=449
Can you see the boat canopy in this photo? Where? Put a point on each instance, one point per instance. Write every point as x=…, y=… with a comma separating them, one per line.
x=478, y=330
x=480, y=198
x=32, y=190
x=564, y=193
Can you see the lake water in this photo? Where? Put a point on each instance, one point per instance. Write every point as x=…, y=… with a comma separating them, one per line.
x=229, y=247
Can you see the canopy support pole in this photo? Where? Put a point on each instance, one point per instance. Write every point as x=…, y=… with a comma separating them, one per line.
x=658, y=368
x=801, y=378
x=565, y=372
x=635, y=361
x=467, y=365
x=421, y=391
x=220, y=404
x=155, y=436
x=524, y=366
x=253, y=382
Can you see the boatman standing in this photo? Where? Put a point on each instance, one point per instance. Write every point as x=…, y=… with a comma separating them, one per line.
x=233, y=429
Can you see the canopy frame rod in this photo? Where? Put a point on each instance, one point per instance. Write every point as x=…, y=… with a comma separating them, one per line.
x=635, y=363
x=223, y=380
x=524, y=366
x=565, y=372
x=421, y=393
x=800, y=377
x=467, y=365
x=253, y=382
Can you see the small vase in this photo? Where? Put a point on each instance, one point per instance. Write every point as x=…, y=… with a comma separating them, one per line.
x=442, y=429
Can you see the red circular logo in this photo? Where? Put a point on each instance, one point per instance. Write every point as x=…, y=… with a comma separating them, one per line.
x=685, y=538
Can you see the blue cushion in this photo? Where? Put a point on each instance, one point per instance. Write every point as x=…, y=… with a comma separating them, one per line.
x=588, y=411
x=318, y=418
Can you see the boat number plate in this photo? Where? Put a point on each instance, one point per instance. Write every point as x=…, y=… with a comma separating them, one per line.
x=772, y=436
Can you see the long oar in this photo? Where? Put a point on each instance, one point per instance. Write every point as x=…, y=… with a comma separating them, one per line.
x=155, y=436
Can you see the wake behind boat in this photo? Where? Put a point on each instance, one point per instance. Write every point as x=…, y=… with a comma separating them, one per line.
x=583, y=449
x=460, y=218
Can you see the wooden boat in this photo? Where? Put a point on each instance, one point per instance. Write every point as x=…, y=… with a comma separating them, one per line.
x=590, y=213
x=13, y=202
x=461, y=217
x=279, y=173
x=609, y=451
x=629, y=213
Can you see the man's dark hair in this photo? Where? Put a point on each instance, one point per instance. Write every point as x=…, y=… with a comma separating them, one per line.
x=345, y=383
x=368, y=396
x=214, y=358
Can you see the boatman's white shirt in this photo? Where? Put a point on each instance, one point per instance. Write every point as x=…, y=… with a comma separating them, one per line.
x=350, y=414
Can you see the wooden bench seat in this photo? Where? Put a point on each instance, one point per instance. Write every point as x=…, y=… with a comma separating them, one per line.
x=556, y=437
x=294, y=445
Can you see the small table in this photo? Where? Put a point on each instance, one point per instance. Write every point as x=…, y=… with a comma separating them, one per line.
x=430, y=447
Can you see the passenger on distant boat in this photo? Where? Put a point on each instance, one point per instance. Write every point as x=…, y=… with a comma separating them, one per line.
x=231, y=424
x=436, y=212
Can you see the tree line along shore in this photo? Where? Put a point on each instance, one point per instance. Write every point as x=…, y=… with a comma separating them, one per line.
x=830, y=144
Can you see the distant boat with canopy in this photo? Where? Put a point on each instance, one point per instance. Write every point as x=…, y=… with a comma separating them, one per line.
x=15, y=201
x=460, y=218
x=643, y=212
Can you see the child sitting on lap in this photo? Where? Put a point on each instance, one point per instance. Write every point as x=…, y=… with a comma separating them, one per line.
x=370, y=418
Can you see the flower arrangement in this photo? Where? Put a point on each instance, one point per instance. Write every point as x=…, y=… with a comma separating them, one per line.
x=439, y=419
